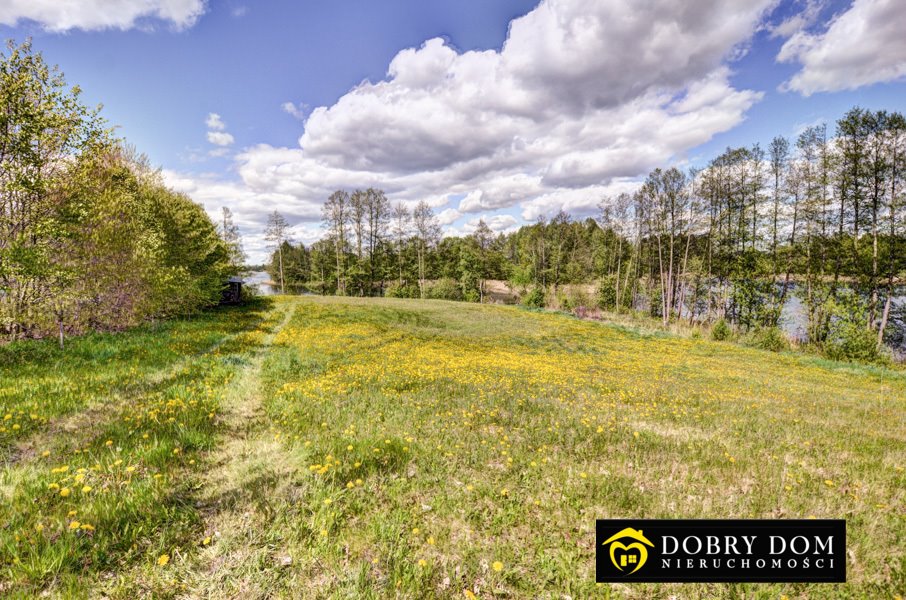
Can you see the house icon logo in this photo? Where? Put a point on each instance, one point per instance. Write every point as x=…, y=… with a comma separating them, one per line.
x=624, y=556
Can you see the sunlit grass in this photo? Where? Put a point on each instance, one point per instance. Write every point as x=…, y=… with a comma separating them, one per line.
x=437, y=440
x=361, y=448
x=106, y=487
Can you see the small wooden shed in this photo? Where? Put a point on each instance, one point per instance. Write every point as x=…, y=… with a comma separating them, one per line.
x=232, y=291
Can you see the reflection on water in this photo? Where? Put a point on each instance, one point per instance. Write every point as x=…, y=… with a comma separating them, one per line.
x=262, y=281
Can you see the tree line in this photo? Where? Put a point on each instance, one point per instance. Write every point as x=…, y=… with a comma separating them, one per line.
x=90, y=237
x=820, y=217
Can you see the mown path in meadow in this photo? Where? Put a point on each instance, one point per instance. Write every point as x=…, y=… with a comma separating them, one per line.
x=102, y=450
x=244, y=476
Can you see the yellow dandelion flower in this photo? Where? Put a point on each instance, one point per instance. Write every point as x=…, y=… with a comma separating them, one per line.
x=497, y=566
x=828, y=483
x=206, y=541
x=86, y=489
x=65, y=492
x=74, y=524
x=108, y=443
x=422, y=562
x=163, y=559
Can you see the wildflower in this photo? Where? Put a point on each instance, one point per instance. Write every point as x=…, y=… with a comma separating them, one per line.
x=46, y=453
x=163, y=559
x=497, y=566
x=39, y=528
x=87, y=527
x=828, y=483
x=65, y=492
x=74, y=525
x=86, y=489
x=422, y=562
x=206, y=541
x=108, y=443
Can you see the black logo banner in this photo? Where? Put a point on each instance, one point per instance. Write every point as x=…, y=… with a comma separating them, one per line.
x=716, y=551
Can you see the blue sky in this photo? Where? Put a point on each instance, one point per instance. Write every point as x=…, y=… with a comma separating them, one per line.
x=272, y=104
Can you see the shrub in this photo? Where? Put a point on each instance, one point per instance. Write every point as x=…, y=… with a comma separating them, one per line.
x=769, y=338
x=847, y=336
x=852, y=342
x=534, y=299
x=443, y=289
x=395, y=290
x=607, y=292
x=721, y=331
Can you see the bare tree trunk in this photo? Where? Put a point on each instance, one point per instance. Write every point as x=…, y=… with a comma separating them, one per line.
x=282, y=286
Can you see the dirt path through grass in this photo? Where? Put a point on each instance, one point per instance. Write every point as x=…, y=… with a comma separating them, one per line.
x=244, y=476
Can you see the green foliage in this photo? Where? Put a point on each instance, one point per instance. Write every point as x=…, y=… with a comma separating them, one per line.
x=91, y=238
x=443, y=289
x=395, y=290
x=721, y=331
x=535, y=298
x=848, y=338
x=768, y=338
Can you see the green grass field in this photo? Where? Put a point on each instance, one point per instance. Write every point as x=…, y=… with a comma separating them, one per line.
x=345, y=448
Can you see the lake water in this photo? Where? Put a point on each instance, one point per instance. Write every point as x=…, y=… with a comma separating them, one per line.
x=262, y=281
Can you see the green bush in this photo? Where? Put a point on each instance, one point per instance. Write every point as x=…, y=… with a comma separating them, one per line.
x=534, y=299
x=852, y=342
x=721, y=331
x=443, y=289
x=847, y=336
x=769, y=338
x=395, y=290
x=607, y=292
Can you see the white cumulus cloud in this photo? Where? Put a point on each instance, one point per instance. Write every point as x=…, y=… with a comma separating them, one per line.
x=220, y=138
x=584, y=96
x=863, y=45
x=65, y=15
x=215, y=122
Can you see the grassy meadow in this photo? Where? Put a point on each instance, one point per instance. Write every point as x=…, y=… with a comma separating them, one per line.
x=361, y=448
